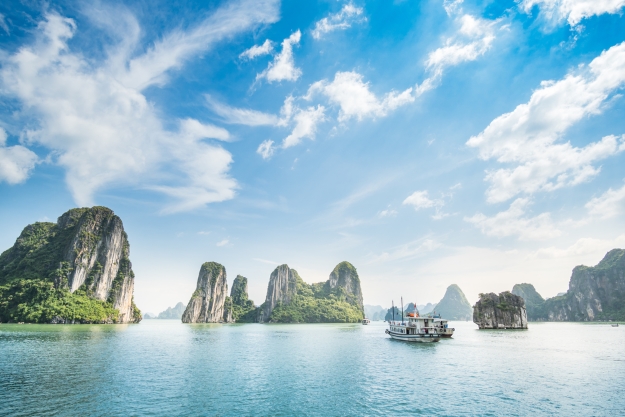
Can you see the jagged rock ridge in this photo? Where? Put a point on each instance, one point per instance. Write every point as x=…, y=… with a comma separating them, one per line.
x=503, y=311
x=454, y=305
x=207, y=302
x=86, y=249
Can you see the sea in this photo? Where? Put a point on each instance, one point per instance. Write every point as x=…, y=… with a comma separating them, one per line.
x=166, y=368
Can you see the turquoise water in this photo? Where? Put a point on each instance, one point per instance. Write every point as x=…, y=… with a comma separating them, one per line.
x=165, y=368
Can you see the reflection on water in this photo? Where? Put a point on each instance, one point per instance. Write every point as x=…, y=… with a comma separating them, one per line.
x=162, y=367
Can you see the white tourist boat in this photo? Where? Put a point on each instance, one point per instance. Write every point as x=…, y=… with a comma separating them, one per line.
x=414, y=329
x=366, y=321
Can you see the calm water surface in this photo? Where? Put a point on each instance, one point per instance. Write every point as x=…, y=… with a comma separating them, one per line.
x=165, y=368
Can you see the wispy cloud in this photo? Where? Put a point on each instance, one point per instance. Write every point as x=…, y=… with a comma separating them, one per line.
x=515, y=222
x=3, y=24
x=266, y=261
x=100, y=127
x=608, y=205
x=527, y=137
x=342, y=20
x=257, y=50
x=406, y=251
x=283, y=65
x=224, y=242
x=355, y=99
x=571, y=11
x=16, y=162
x=235, y=115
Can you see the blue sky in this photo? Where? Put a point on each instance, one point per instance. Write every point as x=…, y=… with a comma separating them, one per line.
x=427, y=142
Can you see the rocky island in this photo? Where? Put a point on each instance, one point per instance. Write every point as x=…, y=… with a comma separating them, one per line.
x=503, y=311
x=595, y=293
x=454, y=305
x=76, y=270
x=289, y=299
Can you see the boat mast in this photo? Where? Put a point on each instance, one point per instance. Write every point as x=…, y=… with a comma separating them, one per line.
x=393, y=309
x=402, y=310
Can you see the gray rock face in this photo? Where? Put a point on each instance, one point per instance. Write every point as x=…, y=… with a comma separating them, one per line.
x=503, y=311
x=207, y=302
x=239, y=290
x=281, y=289
x=345, y=276
x=595, y=293
x=87, y=248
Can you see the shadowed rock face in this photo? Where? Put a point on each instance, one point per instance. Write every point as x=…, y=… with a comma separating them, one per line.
x=345, y=276
x=595, y=293
x=454, y=305
x=87, y=248
x=281, y=289
x=503, y=311
x=207, y=302
x=534, y=302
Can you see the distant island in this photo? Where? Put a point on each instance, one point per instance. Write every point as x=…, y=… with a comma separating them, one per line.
x=76, y=270
x=174, y=313
x=289, y=299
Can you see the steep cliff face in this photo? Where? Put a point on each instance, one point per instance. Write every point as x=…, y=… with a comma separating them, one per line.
x=344, y=278
x=503, y=311
x=207, y=302
x=243, y=309
x=595, y=293
x=454, y=305
x=86, y=249
x=281, y=289
x=534, y=302
x=291, y=300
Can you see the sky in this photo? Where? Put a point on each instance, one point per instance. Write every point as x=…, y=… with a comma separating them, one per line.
x=429, y=143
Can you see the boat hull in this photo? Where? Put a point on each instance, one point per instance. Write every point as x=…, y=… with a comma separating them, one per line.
x=417, y=338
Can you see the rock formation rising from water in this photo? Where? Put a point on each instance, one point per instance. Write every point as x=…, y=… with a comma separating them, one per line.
x=207, y=302
x=242, y=308
x=503, y=311
x=291, y=300
x=454, y=305
x=281, y=289
x=86, y=249
x=595, y=293
x=534, y=302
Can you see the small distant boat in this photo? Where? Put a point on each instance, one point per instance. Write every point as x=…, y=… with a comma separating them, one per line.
x=615, y=325
x=366, y=321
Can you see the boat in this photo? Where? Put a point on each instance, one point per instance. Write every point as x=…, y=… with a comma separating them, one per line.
x=366, y=321
x=615, y=325
x=414, y=329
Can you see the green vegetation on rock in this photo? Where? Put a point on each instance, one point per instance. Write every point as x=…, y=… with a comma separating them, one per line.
x=37, y=301
x=318, y=303
x=454, y=305
x=534, y=302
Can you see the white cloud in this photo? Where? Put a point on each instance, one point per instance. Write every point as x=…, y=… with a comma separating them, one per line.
x=338, y=21
x=473, y=38
x=355, y=99
x=101, y=128
x=526, y=137
x=306, y=121
x=609, y=204
x=3, y=24
x=387, y=213
x=266, y=149
x=420, y=199
x=582, y=247
x=234, y=115
x=406, y=251
x=16, y=161
x=223, y=243
x=452, y=6
x=573, y=11
x=258, y=50
x=513, y=222
x=283, y=65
